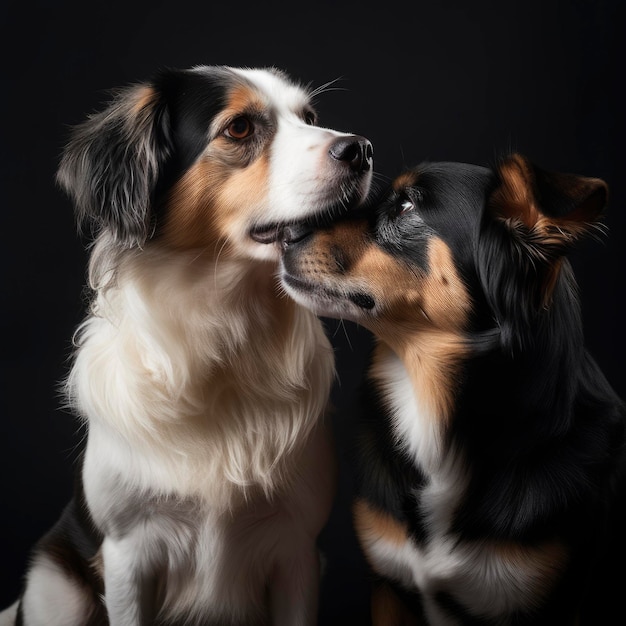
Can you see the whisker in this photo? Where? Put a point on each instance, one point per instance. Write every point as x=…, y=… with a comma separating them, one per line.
x=325, y=88
x=217, y=258
x=345, y=332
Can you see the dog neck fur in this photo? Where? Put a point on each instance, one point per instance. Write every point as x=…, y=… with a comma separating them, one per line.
x=166, y=370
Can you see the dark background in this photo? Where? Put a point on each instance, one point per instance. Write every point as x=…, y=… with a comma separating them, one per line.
x=450, y=80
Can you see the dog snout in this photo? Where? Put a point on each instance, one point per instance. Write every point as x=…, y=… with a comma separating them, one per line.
x=354, y=150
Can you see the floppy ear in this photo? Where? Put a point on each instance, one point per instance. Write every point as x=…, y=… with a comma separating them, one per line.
x=111, y=165
x=545, y=211
x=531, y=219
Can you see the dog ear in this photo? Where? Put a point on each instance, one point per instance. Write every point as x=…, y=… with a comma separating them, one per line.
x=531, y=220
x=545, y=211
x=111, y=165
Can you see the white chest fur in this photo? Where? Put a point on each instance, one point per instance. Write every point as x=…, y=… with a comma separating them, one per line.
x=206, y=460
x=194, y=387
x=485, y=577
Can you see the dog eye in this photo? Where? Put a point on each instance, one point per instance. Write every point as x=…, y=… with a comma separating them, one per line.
x=406, y=205
x=240, y=128
x=407, y=201
x=310, y=118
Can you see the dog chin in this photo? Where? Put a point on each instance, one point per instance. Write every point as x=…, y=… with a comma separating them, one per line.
x=354, y=306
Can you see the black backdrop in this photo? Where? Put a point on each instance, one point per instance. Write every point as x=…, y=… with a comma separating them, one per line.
x=450, y=80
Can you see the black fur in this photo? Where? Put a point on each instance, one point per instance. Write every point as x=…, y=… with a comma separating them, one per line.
x=540, y=431
x=120, y=161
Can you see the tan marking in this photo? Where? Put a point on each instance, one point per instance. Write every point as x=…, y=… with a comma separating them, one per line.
x=372, y=525
x=144, y=97
x=242, y=199
x=389, y=610
x=544, y=238
x=217, y=200
x=214, y=202
x=513, y=199
x=404, y=180
x=446, y=300
x=423, y=320
x=411, y=299
x=241, y=100
x=192, y=208
x=433, y=353
x=422, y=315
x=433, y=364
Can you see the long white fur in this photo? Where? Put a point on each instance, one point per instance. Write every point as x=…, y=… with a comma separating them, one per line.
x=203, y=394
x=151, y=359
x=191, y=396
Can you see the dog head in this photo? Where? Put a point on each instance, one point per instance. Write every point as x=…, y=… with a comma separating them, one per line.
x=210, y=158
x=451, y=248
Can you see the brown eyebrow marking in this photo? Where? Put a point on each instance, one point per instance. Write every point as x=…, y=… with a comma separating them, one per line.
x=406, y=179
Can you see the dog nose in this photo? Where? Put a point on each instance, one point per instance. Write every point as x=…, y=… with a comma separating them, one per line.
x=354, y=150
x=294, y=232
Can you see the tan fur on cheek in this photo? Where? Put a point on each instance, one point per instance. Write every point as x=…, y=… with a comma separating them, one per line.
x=420, y=314
x=412, y=300
x=213, y=203
x=446, y=300
x=242, y=199
x=423, y=319
x=192, y=207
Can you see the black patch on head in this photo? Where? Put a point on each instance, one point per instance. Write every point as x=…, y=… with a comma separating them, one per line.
x=447, y=200
x=450, y=202
x=189, y=100
x=403, y=235
x=444, y=200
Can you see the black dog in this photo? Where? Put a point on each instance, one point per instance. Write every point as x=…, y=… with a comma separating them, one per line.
x=490, y=465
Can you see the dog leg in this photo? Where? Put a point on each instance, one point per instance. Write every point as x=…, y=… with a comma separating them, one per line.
x=294, y=591
x=130, y=587
x=9, y=615
x=52, y=597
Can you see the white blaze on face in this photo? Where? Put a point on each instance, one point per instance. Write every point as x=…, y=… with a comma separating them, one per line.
x=303, y=177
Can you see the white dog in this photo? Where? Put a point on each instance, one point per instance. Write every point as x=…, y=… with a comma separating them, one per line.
x=207, y=473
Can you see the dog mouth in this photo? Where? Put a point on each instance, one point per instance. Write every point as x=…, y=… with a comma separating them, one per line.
x=273, y=232
x=267, y=234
